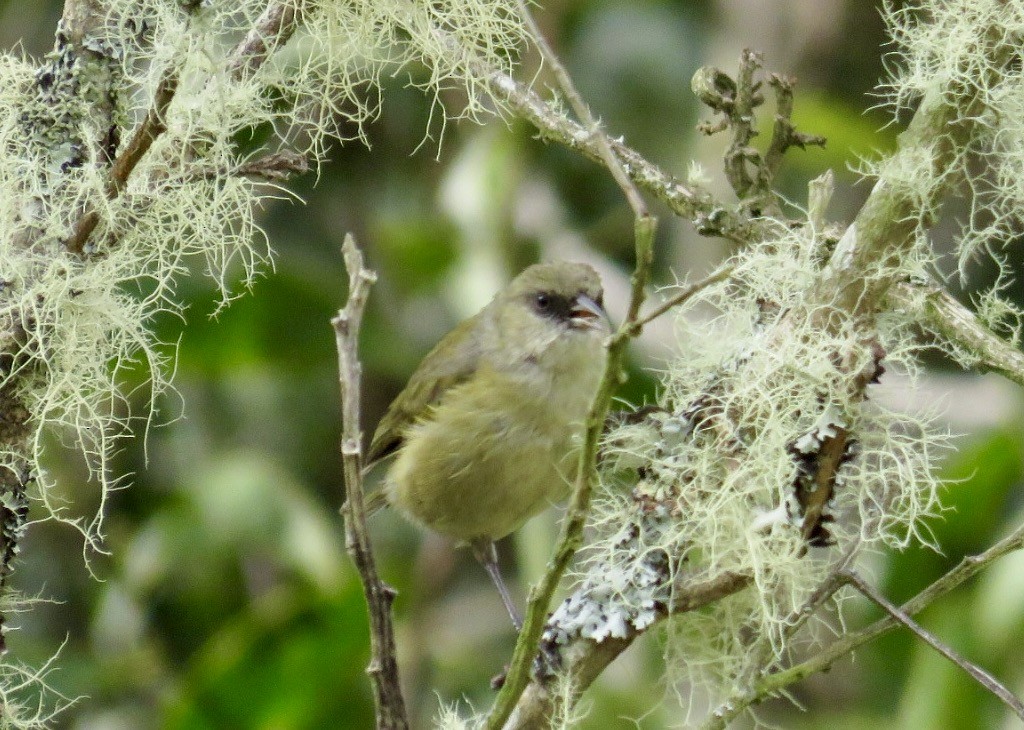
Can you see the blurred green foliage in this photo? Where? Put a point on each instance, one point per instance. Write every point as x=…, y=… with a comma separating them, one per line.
x=226, y=600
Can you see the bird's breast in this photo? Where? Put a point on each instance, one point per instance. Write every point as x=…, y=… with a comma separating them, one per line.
x=494, y=452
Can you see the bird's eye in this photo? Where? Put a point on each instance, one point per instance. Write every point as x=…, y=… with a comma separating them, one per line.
x=543, y=301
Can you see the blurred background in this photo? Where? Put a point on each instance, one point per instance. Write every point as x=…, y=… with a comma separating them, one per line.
x=227, y=599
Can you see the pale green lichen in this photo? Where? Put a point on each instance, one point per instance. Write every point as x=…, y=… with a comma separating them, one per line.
x=967, y=51
x=705, y=488
x=73, y=323
x=450, y=718
x=182, y=204
x=26, y=697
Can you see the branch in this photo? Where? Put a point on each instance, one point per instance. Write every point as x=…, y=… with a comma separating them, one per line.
x=941, y=313
x=583, y=660
x=152, y=127
x=686, y=200
x=608, y=158
x=274, y=28
x=275, y=167
x=737, y=102
x=886, y=227
x=775, y=682
x=983, y=678
x=383, y=667
x=680, y=297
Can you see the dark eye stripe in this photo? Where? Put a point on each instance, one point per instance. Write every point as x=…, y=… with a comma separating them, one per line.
x=555, y=306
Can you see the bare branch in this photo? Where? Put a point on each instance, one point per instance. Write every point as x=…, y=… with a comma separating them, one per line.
x=967, y=568
x=276, y=167
x=383, y=667
x=565, y=83
x=681, y=297
x=982, y=677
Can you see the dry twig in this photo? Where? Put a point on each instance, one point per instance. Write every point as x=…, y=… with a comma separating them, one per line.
x=982, y=677
x=383, y=667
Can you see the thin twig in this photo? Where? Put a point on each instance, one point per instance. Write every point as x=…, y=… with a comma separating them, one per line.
x=965, y=570
x=152, y=127
x=688, y=200
x=272, y=30
x=681, y=297
x=582, y=109
x=383, y=667
x=277, y=166
x=742, y=121
x=982, y=677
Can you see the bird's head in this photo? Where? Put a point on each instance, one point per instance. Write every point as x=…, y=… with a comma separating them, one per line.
x=559, y=302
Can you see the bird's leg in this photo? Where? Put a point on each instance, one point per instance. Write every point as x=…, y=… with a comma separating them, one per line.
x=485, y=552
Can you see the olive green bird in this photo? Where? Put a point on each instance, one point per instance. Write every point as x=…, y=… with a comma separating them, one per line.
x=487, y=431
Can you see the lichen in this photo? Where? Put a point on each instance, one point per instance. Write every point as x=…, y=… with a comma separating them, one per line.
x=71, y=322
x=965, y=49
x=716, y=479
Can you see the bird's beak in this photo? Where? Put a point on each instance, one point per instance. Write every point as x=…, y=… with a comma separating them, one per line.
x=588, y=314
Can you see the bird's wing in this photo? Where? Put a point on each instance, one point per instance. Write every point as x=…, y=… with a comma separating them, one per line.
x=452, y=361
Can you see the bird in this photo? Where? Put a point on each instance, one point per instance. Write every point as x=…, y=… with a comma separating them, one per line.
x=487, y=431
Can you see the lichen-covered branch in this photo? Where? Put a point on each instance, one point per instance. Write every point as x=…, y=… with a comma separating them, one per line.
x=383, y=668
x=686, y=199
x=940, y=313
x=867, y=260
x=751, y=173
x=582, y=658
x=79, y=67
x=274, y=28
